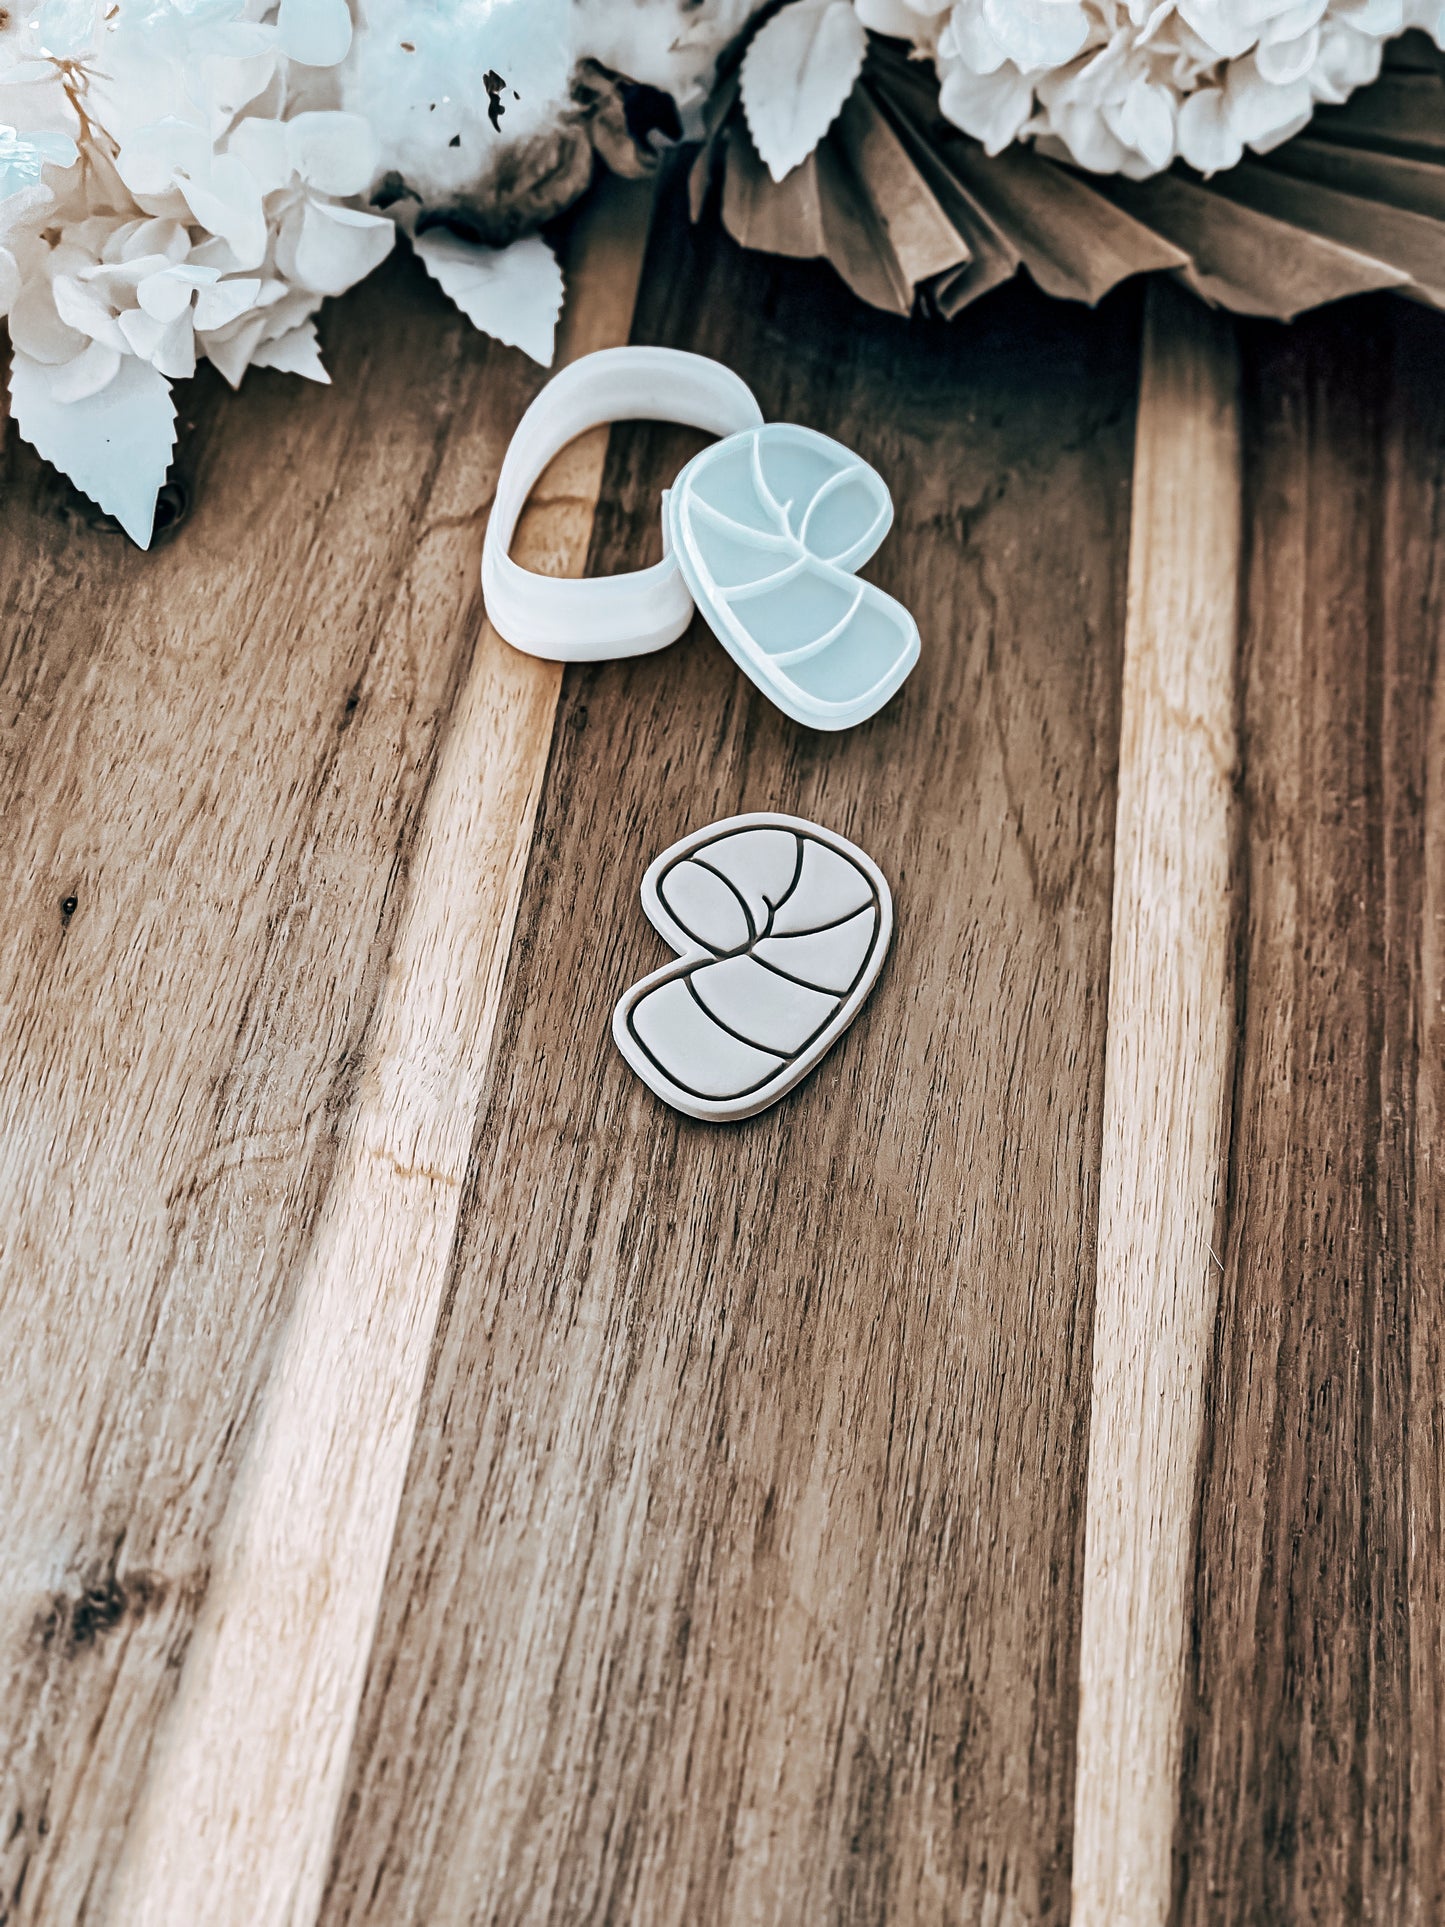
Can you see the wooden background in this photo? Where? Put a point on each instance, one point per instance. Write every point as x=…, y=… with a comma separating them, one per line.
x=441, y=1485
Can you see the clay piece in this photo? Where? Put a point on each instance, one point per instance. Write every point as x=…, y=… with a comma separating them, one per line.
x=780, y=928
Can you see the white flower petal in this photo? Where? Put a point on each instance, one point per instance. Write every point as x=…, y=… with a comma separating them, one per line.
x=230, y=351
x=992, y=107
x=1144, y=122
x=24, y=157
x=297, y=352
x=968, y=37
x=140, y=333
x=175, y=353
x=1283, y=61
x=1227, y=31
x=315, y=32
x=896, y=17
x=1293, y=21
x=263, y=149
x=164, y=296
x=151, y=157
x=1263, y=114
x=337, y=246
x=1083, y=135
x=92, y=369
x=218, y=254
x=166, y=238
x=332, y=152
x=117, y=281
x=22, y=211
x=226, y=199
x=81, y=308
x=1347, y=60
x=68, y=27
x=1380, y=19
x=217, y=306
x=1208, y=138
x=1037, y=34
x=37, y=331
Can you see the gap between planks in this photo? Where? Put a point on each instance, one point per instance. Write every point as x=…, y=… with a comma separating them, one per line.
x=1166, y=1088
x=236, y=1819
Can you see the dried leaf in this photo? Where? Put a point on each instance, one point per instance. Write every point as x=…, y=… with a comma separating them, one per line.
x=1356, y=203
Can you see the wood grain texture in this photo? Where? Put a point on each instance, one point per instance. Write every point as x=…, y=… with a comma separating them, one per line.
x=214, y=763
x=735, y=1573
x=1316, y=1730
x=1162, y=1172
x=242, y=1832
x=738, y=1565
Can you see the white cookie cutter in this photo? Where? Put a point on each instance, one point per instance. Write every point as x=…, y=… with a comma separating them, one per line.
x=604, y=617
x=762, y=532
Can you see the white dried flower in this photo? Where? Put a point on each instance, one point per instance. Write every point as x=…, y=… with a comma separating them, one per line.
x=1129, y=86
x=186, y=180
x=166, y=196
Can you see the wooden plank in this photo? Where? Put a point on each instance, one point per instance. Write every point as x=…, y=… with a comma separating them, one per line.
x=279, y=1654
x=216, y=761
x=1313, y=1786
x=1161, y=1181
x=736, y=1571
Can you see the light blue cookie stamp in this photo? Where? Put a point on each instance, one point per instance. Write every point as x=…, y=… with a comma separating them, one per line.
x=768, y=528
x=763, y=533
x=780, y=928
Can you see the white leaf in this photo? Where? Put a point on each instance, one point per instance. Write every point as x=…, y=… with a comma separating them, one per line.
x=294, y=353
x=115, y=446
x=796, y=75
x=514, y=293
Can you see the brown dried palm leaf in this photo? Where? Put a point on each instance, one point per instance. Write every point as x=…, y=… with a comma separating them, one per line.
x=912, y=212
